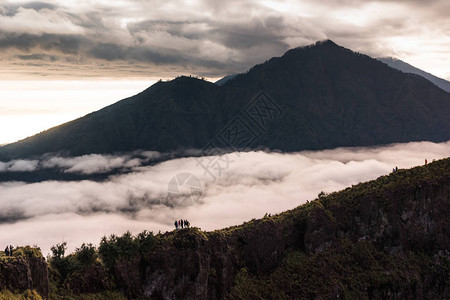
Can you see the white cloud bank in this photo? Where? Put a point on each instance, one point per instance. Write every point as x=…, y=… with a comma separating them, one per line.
x=86, y=164
x=19, y=166
x=252, y=184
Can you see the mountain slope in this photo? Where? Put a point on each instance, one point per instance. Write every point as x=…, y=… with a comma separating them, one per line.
x=322, y=96
x=145, y=121
x=380, y=238
x=383, y=239
x=407, y=68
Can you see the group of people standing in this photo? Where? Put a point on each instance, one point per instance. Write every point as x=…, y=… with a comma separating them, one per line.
x=9, y=250
x=181, y=224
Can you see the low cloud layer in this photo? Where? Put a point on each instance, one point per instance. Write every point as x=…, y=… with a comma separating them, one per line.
x=19, y=166
x=246, y=185
x=86, y=164
x=208, y=38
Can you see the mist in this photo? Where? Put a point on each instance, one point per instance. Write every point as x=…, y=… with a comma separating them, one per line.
x=229, y=190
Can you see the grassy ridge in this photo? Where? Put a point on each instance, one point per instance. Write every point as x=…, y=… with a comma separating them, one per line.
x=349, y=267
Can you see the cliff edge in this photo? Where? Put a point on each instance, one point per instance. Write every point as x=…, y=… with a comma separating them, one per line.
x=25, y=270
x=387, y=238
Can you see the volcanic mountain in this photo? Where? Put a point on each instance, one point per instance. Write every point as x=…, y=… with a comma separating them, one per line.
x=314, y=97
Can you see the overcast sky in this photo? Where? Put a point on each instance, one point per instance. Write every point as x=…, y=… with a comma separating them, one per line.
x=160, y=38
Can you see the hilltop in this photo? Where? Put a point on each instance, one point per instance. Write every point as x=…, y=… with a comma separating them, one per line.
x=386, y=238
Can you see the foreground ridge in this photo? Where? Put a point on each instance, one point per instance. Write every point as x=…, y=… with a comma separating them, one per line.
x=386, y=238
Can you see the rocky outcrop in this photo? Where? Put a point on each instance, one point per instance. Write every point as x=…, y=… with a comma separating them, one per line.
x=408, y=218
x=199, y=266
x=24, y=273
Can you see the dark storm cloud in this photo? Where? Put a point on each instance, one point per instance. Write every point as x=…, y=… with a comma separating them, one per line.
x=108, y=52
x=234, y=35
x=64, y=44
x=43, y=57
x=12, y=9
x=39, y=5
x=257, y=32
x=211, y=37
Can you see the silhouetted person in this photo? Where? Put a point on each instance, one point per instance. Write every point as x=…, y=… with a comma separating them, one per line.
x=11, y=250
x=182, y=223
x=7, y=251
x=176, y=225
x=396, y=169
x=186, y=223
x=426, y=161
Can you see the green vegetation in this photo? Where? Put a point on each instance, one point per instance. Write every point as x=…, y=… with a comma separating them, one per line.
x=23, y=251
x=105, y=295
x=27, y=251
x=27, y=295
x=89, y=268
x=114, y=248
x=355, y=270
x=74, y=271
x=20, y=252
x=61, y=264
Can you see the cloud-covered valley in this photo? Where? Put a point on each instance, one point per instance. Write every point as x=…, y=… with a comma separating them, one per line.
x=235, y=187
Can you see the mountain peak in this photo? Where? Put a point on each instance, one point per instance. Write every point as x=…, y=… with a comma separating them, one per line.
x=319, y=47
x=318, y=44
x=326, y=42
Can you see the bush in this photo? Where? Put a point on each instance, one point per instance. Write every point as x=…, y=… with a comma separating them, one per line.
x=62, y=264
x=113, y=248
x=86, y=254
x=27, y=251
x=59, y=250
x=146, y=242
x=27, y=295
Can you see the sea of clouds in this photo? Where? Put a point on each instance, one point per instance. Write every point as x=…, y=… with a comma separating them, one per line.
x=228, y=190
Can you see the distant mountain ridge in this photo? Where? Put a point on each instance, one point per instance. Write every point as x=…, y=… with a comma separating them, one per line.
x=316, y=97
x=223, y=80
x=407, y=68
